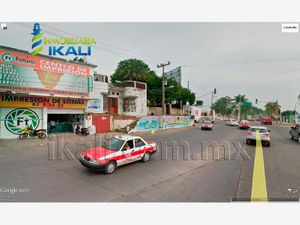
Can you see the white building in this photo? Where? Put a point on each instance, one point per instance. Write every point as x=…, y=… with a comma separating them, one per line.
x=128, y=98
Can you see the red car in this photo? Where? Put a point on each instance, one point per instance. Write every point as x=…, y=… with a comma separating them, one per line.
x=266, y=121
x=245, y=124
x=120, y=150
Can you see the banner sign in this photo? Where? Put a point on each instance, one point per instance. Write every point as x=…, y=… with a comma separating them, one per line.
x=20, y=72
x=9, y=101
x=94, y=105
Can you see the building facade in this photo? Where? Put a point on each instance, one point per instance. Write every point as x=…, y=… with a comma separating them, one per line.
x=35, y=90
x=128, y=98
x=41, y=91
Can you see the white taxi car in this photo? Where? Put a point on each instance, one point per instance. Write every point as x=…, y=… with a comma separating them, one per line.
x=119, y=150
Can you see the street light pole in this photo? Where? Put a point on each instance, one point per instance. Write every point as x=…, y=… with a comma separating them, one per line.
x=295, y=109
x=211, y=105
x=163, y=85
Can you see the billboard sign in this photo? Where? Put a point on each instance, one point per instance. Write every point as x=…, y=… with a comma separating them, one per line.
x=174, y=74
x=21, y=72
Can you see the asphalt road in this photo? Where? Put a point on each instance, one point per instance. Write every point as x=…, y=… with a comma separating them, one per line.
x=192, y=165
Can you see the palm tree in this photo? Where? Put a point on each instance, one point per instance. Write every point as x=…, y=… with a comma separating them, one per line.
x=240, y=98
x=272, y=109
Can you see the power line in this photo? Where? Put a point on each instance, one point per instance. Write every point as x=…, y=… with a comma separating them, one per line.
x=192, y=83
x=251, y=79
x=243, y=62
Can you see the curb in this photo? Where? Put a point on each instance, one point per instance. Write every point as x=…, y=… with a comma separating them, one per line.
x=168, y=131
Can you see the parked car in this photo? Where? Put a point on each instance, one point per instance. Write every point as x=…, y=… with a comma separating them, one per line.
x=232, y=122
x=266, y=121
x=206, y=125
x=244, y=124
x=295, y=133
x=265, y=135
x=119, y=150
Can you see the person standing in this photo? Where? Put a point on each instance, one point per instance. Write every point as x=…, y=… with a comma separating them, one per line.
x=52, y=126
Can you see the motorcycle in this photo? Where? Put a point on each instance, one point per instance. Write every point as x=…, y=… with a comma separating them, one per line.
x=82, y=131
x=28, y=132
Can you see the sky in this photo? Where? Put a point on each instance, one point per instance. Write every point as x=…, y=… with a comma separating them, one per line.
x=254, y=59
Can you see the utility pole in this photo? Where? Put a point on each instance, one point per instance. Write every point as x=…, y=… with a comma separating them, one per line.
x=239, y=109
x=163, y=85
x=295, y=115
x=188, y=85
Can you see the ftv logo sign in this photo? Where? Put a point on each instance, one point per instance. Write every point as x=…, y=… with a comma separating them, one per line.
x=60, y=46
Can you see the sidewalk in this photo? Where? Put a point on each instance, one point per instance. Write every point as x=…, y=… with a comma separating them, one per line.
x=167, y=131
x=284, y=124
x=66, y=137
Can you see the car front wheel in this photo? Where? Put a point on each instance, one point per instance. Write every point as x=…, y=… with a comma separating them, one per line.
x=299, y=139
x=110, y=167
x=146, y=157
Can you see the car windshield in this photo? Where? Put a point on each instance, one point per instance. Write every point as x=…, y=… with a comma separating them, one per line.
x=260, y=130
x=207, y=122
x=114, y=144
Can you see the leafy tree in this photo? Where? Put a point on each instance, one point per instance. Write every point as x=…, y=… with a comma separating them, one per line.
x=154, y=90
x=226, y=106
x=185, y=95
x=223, y=106
x=131, y=69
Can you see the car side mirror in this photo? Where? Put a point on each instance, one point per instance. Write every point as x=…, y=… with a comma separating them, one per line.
x=269, y=130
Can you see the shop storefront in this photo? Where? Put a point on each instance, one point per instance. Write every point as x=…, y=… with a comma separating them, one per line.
x=37, y=91
x=64, y=120
x=37, y=112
